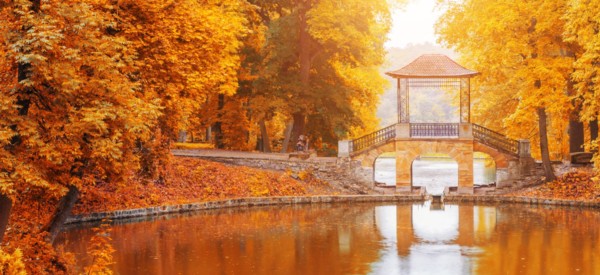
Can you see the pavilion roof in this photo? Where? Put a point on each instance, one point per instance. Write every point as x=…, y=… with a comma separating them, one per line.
x=432, y=66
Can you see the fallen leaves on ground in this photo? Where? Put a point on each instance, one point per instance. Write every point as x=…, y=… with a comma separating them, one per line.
x=192, y=180
x=574, y=185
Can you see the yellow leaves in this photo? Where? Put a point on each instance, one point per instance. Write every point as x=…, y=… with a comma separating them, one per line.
x=6, y=184
x=12, y=264
x=515, y=46
x=325, y=68
x=354, y=28
x=575, y=185
x=86, y=110
x=101, y=251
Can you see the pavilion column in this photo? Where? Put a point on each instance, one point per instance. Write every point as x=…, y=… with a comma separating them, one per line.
x=465, y=100
x=403, y=112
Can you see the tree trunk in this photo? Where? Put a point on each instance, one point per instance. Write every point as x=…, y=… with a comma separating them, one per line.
x=305, y=61
x=288, y=136
x=217, y=126
x=182, y=137
x=23, y=101
x=576, y=136
x=593, y=130
x=62, y=213
x=304, y=55
x=544, y=145
x=299, y=127
x=266, y=143
x=208, y=137
x=5, y=207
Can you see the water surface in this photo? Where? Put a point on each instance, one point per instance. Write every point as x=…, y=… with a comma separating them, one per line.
x=356, y=239
x=434, y=173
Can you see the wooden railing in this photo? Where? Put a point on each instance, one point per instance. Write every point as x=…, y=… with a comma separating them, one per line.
x=495, y=140
x=372, y=139
x=434, y=130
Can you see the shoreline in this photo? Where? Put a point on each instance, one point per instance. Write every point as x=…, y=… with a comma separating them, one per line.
x=236, y=202
x=295, y=200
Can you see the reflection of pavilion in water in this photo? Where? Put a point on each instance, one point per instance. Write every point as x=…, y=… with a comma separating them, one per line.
x=488, y=240
x=430, y=241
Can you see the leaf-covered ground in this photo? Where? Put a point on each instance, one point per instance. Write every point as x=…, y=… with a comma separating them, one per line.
x=192, y=180
x=574, y=185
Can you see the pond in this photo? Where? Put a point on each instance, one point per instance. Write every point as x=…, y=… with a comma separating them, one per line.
x=435, y=173
x=360, y=238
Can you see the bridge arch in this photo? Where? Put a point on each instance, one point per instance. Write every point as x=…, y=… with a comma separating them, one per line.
x=384, y=169
x=368, y=157
x=435, y=172
x=501, y=159
x=459, y=150
x=485, y=170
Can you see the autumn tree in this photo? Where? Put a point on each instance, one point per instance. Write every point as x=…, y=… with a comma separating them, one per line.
x=582, y=27
x=188, y=50
x=524, y=60
x=71, y=110
x=229, y=116
x=321, y=60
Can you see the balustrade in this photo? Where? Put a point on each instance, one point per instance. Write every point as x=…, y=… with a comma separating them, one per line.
x=372, y=139
x=436, y=130
x=495, y=140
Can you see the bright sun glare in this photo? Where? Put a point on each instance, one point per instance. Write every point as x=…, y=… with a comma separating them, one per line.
x=414, y=24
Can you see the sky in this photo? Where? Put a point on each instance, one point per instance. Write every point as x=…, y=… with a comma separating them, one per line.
x=414, y=24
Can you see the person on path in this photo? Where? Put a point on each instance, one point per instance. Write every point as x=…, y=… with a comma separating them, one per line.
x=301, y=144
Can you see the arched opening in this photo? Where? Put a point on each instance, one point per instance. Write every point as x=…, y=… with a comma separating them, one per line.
x=384, y=169
x=484, y=169
x=434, y=172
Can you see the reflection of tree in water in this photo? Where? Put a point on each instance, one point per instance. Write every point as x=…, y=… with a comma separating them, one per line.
x=344, y=239
x=312, y=239
x=538, y=240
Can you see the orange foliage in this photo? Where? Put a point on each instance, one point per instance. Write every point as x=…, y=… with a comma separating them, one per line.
x=101, y=251
x=33, y=209
x=186, y=180
x=575, y=185
x=189, y=180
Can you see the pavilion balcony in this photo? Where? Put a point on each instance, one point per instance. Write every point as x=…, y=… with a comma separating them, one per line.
x=434, y=130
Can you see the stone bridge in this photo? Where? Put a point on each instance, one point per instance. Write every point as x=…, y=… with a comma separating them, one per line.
x=433, y=73
x=458, y=140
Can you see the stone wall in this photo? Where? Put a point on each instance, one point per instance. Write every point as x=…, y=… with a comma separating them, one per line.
x=329, y=169
x=239, y=202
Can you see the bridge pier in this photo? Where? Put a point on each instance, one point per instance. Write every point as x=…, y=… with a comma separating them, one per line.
x=465, y=172
x=404, y=172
